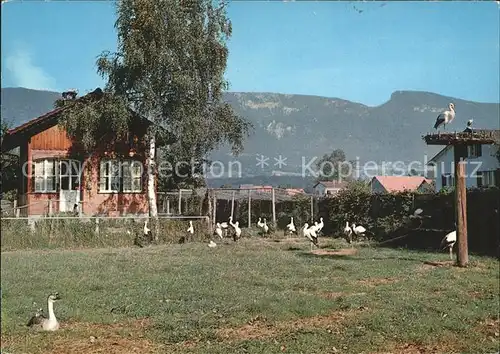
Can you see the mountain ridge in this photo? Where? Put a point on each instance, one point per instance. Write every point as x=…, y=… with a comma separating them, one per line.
x=301, y=127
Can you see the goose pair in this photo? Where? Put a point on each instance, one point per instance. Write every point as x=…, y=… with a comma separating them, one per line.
x=40, y=322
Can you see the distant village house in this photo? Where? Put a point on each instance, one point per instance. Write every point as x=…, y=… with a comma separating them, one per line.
x=395, y=184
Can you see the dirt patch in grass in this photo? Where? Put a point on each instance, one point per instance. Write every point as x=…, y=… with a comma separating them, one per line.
x=89, y=338
x=490, y=327
x=260, y=328
x=413, y=348
x=341, y=252
x=372, y=282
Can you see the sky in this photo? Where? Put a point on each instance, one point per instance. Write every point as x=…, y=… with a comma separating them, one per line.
x=359, y=51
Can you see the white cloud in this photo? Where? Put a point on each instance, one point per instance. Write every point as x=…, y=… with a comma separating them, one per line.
x=26, y=74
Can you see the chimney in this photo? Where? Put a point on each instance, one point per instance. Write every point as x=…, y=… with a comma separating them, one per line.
x=70, y=94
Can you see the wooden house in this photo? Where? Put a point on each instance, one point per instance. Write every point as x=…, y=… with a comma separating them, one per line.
x=56, y=176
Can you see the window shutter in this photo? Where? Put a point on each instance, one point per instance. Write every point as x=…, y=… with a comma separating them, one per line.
x=443, y=181
x=479, y=150
x=497, y=177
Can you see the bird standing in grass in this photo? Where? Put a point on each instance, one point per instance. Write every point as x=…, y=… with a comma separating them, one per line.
x=237, y=231
x=310, y=233
x=218, y=230
x=446, y=117
x=190, y=230
x=449, y=241
x=358, y=230
x=265, y=228
x=291, y=227
x=348, y=232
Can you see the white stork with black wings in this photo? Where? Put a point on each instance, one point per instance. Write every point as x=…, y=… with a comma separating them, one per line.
x=446, y=117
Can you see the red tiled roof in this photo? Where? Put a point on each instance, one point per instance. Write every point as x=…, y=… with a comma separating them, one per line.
x=401, y=183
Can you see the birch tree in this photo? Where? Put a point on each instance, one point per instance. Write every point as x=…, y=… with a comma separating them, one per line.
x=169, y=67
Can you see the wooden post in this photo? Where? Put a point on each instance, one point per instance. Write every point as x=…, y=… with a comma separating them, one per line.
x=50, y=207
x=249, y=208
x=15, y=208
x=461, y=209
x=209, y=205
x=80, y=208
x=214, y=216
x=97, y=226
x=179, y=206
x=168, y=206
x=232, y=205
x=164, y=203
x=312, y=209
x=273, y=201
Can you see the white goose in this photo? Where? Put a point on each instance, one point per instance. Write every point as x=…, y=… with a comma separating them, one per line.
x=449, y=241
x=446, y=117
x=348, y=232
x=218, y=230
x=212, y=244
x=40, y=322
x=260, y=223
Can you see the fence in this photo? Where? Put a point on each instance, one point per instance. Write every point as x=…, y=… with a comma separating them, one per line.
x=385, y=216
x=75, y=232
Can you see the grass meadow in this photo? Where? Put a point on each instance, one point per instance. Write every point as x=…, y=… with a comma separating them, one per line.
x=254, y=296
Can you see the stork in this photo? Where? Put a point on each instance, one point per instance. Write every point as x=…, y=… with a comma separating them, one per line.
x=358, y=230
x=449, y=241
x=310, y=233
x=237, y=231
x=291, y=227
x=218, y=230
x=468, y=129
x=348, y=232
x=147, y=231
x=445, y=117
x=265, y=227
x=190, y=229
x=320, y=225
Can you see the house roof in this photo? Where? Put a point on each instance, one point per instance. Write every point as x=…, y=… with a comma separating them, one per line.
x=331, y=184
x=440, y=153
x=400, y=183
x=13, y=136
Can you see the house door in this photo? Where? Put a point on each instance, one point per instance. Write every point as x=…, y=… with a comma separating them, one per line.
x=69, y=194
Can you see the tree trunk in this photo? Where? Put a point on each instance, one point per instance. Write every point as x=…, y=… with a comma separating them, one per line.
x=153, y=210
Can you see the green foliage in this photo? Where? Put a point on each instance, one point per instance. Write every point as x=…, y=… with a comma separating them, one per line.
x=331, y=166
x=95, y=119
x=174, y=74
x=10, y=170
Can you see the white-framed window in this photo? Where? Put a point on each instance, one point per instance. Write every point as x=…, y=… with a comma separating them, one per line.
x=120, y=176
x=132, y=176
x=474, y=151
x=45, y=176
x=109, y=176
x=486, y=179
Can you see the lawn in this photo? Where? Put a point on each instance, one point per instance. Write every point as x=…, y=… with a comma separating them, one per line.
x=255, y=296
